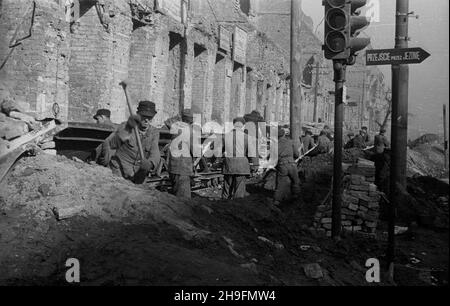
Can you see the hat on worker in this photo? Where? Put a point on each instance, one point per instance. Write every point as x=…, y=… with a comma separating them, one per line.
x=239, y=119
x=187, y=113
x=103, y=112
x=254, y=116
x=147, y=108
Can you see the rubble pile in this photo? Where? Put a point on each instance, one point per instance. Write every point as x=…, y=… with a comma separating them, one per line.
x=364, y=168
x=47, y=187
x=318, y=169
x=426, y=160
x=360, y=208
x=16, y=123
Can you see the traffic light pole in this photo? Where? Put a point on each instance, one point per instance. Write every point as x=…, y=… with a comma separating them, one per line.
x=400, y=87
x=340, y=67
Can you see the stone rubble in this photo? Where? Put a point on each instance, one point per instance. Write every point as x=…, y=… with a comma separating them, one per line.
x=360, y=203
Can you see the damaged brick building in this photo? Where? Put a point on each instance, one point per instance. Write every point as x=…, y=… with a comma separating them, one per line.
x=221, y=58
x=199, y=54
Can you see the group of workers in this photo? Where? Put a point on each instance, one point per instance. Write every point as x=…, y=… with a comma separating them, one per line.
x=120, y=152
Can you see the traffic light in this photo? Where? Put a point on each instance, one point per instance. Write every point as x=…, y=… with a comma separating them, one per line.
x=336, y=29
x=357, y=23
x=342, y=27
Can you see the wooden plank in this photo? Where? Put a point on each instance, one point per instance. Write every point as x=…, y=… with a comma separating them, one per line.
x=25, y=139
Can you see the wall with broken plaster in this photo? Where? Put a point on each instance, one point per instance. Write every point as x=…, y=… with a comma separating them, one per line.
x=75, y=66
x=34, y=56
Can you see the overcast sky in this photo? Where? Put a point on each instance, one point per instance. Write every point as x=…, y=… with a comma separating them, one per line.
x=429, y=81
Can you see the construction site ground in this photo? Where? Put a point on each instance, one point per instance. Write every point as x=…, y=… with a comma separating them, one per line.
x=124, y=234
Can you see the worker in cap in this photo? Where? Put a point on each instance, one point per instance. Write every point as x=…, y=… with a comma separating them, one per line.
x=127, y=161
x=236, y=166
x=365, y=135
x=308, y=141
x=255, y=118
x=103, y=116
x=288, y=181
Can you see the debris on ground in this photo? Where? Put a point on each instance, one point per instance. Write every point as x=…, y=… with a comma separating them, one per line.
x=53, y=208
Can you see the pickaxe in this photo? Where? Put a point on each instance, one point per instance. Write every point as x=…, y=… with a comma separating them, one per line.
x=124, y=84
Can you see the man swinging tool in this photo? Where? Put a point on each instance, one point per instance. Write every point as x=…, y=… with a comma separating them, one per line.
x=136, y=143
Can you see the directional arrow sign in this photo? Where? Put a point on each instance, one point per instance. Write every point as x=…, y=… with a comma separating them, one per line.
x=396, y=56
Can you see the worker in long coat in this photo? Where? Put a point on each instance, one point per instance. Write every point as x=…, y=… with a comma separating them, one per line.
x=287, y=173
x=237, y=163
x=381, y=160
x=181, y=154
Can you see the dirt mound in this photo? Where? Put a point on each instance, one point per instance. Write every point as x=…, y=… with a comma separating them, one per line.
x=130, y=235
x=427, y=160
x=45, y=184
x=429, y=206
x=425, y=139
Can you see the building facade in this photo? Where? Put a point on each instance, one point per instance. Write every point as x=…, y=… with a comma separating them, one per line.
x=222, y=58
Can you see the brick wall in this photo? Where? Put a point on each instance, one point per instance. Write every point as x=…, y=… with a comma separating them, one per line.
x=251, y=92
x=199, y=79
x=142, y=64
x=99, y=62
x=222, y=89
x=35, y=75
x=159, y=71
x=237, y=85
x=172, y=95
x=80, y=65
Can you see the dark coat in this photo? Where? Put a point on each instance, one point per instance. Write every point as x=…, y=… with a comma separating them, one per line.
x=236, y=161
x=381, y=143
x=183, y=165
x=308, y=142
x=359, y=142
x=127, y=156
x=323, y=144
x=287, y=152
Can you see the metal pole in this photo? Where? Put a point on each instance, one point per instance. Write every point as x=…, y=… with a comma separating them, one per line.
x=296, y=73
x=400, y=87
x=445, y=138
x=316, y=88
x=363, y=100
x=339, y=78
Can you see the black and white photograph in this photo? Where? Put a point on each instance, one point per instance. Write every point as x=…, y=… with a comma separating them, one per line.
x=223, y=151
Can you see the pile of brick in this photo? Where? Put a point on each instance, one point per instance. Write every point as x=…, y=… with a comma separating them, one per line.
x=16, y=124
x=360, y=208
x=363, y=167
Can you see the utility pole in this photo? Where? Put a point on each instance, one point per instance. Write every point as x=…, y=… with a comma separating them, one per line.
x=400, y=87
x=445, y=138
x=296, y=71
x=342, y=28
x=340, y=68
x=316, y=89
